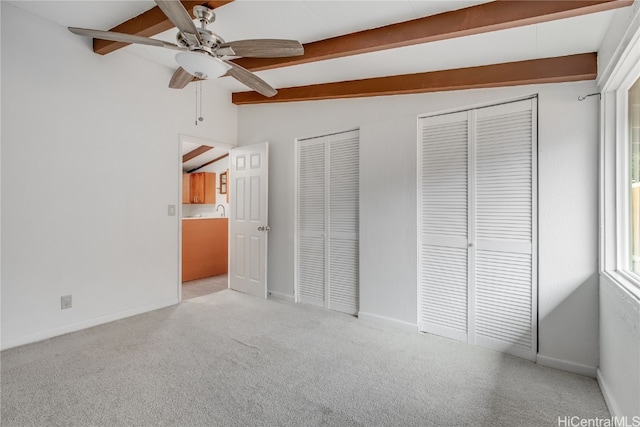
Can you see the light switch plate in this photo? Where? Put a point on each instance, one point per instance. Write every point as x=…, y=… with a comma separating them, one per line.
x=171, y=210
x=65, y=302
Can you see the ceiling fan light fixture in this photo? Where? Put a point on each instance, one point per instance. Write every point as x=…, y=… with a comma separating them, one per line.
x=201, y=65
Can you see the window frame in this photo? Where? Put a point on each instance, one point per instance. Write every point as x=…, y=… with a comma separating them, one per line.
x=628, y=267
x=623, y=182
x=615, y=163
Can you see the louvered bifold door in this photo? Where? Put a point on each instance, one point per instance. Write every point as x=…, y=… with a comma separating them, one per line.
x=505, y=206
x=328, y=222
x=343, y=222
x=477, y=219
x=443, y=222
x=311, y=221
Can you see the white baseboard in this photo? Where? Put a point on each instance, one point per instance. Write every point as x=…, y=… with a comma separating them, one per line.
x=74, y=327
x=400, y=324
x=608, y=396
x=564, y=365
x=280, y=296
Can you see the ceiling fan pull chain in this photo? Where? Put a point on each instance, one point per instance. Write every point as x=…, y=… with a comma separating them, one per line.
x=200, y=118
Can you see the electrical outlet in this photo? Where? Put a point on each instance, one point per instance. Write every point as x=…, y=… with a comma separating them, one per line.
x=171, y=210
x=65, y=302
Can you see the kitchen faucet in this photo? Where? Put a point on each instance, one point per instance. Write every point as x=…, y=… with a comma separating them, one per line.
x=224, y=214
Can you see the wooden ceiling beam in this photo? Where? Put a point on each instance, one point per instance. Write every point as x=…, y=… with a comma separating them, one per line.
x=209, y=162
x=482, y=18
x=195, y=153
x=548, y=70
x=148, y=24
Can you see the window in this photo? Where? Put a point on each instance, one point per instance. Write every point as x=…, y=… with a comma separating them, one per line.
x=634, y=167
x=620, y=170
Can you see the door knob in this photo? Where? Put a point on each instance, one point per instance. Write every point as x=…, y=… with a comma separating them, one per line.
x=264, y=228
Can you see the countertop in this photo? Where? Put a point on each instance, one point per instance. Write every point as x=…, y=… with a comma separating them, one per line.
x=205, y=217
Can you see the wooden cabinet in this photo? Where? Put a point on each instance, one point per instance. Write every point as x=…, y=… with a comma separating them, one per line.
x=202, y=188
x=186, y=188
x=204, y=247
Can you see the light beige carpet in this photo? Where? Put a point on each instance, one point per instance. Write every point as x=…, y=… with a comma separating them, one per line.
x=228, y=359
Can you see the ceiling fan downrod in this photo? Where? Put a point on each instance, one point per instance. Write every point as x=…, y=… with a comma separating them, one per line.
x=205, y=15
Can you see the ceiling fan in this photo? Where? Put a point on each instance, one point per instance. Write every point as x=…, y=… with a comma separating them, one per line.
x=201, y=52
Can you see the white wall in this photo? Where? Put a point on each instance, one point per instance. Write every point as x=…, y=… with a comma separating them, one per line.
x=619, y=371
x=221, y=199
x=90, y=162
x=568, y=239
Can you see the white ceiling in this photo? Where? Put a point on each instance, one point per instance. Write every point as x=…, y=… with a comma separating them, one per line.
x=309, y=21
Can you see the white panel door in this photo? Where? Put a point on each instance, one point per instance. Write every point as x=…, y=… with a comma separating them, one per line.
x=248, y=225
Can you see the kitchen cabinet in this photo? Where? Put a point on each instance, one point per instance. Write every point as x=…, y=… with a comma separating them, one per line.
x=202, y=188
x=204, y=247
x=186, y=188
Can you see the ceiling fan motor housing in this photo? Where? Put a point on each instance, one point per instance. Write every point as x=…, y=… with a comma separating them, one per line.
x=209, y=41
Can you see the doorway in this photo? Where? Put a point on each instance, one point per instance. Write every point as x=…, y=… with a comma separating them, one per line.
x=204, y=214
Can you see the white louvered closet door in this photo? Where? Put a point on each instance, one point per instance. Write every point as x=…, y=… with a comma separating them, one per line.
x=443, y=200
x=478, y=283
x=505, y=228
x=328, y=221
x=311, y=221
x=343, y=222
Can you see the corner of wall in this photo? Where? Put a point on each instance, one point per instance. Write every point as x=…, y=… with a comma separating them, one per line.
x=608, y=396
x=398, y=324
x=280, y=296
x=564, y=365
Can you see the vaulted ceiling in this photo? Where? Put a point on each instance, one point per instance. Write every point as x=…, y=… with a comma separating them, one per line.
x=371, y=48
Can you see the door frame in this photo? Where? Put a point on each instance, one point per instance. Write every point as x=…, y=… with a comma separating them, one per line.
x=201, y=141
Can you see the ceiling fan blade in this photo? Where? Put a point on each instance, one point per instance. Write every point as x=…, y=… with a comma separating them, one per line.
x=246, y=77
x=179, y=17
x=262, y=48
x=122, y=37
x=180, y=79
